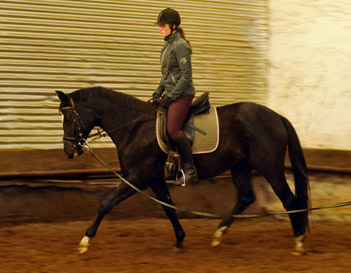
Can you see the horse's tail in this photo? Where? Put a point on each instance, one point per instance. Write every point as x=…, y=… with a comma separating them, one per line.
x=299, y=168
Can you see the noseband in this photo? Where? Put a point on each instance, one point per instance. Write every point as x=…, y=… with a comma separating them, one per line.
x=80, y=140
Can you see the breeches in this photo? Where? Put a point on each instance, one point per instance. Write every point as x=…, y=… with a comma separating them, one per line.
x=177, y=112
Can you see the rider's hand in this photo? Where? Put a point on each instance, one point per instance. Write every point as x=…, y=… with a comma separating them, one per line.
x=155, y=98
x=165, y=102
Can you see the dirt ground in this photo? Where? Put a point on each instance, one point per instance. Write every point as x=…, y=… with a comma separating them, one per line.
x=41, y=226
x=144, y=245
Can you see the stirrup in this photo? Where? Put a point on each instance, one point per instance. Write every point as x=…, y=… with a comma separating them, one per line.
x=172, y=165
x=180, y=175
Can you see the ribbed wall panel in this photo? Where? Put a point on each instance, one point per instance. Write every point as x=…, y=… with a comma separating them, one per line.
x=67, y=45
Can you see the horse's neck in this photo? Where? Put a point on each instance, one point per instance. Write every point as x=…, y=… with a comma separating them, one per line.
x=117, y=120
x=111, y=118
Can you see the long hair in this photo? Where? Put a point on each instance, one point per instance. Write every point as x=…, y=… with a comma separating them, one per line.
x=182, y=34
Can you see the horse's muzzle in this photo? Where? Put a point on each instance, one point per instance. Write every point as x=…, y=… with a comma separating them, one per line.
x=72, y=149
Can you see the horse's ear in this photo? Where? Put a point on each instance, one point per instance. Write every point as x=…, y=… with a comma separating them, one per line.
x=63, y=98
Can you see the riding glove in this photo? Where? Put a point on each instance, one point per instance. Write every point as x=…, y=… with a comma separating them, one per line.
x=155, y=98
x=165, y=102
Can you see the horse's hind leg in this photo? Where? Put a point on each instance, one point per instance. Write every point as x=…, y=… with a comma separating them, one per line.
x=163, y=195
x=241, y=176
x=290, y=202
x=117, y=196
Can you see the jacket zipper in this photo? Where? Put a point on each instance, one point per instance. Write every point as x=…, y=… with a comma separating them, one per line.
x=164, y=54
x=173, y=78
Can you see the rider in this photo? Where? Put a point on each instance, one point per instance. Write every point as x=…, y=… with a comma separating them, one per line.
x=176, y=90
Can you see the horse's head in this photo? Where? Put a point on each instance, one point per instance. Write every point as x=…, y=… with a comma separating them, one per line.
x=77, y=124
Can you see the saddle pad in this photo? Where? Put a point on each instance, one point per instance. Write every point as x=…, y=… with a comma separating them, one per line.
x=203, y=144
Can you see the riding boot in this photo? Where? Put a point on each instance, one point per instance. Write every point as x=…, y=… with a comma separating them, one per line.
x=184, y=149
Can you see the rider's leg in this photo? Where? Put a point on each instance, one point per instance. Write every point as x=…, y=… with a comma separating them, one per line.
x=177, y=113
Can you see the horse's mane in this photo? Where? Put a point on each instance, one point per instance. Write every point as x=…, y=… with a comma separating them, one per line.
x=99, y=93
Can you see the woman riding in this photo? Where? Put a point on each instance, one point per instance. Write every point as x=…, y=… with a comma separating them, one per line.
x=176, y=90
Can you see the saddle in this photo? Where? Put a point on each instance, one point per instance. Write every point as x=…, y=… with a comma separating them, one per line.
x=199, y=106
x=201, y=127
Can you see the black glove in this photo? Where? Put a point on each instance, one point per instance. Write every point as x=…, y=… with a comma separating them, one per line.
x=155, y=98
x=165, y=102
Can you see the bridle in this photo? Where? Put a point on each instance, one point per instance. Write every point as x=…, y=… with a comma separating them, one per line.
x=79, y=124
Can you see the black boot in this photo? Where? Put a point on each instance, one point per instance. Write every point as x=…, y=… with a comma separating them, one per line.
x=184, y=149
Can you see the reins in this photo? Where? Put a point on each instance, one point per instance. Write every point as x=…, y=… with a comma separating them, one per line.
x=207, y=214
x=100, y=134
x=84, y=143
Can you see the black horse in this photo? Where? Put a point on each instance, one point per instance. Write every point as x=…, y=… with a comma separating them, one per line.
x=252, y=137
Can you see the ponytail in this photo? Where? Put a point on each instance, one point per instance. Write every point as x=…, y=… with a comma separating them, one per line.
x=182, y=34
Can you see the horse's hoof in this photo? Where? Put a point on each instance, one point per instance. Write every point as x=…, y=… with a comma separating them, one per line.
x=177, y=250
x=83, y=250
x=299, y=249
x=218, y=235
x=297, y=253
x=84, y=245
x=215, y=242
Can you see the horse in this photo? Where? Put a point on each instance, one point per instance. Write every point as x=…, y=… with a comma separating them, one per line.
x=252, y=138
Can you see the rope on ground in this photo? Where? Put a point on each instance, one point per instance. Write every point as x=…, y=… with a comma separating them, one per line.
x=206, y=214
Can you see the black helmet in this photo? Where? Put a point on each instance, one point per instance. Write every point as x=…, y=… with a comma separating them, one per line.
x=168, y=16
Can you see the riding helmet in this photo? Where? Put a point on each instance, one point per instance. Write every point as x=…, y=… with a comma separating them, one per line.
x=168, y=16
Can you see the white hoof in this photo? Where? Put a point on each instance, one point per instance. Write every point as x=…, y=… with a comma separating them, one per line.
x=215, y=242
x=299, y=249
x=84, y=245
x=218, y=235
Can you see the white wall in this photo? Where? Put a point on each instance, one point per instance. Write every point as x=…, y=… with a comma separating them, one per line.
x=310, y=69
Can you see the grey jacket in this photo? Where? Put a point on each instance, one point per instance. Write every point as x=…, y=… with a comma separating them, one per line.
x=176, y=68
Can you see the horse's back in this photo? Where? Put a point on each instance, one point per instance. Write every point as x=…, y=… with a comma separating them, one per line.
x=249, y=109
x=250, y=116
x=253, y=127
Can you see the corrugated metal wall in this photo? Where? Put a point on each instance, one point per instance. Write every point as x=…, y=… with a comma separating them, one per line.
x=67, y=45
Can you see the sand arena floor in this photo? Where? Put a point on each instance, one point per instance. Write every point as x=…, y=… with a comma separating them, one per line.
x=144, y=245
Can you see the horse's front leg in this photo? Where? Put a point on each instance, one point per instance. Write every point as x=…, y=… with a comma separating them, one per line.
x=117, y=196
x=162, y=193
